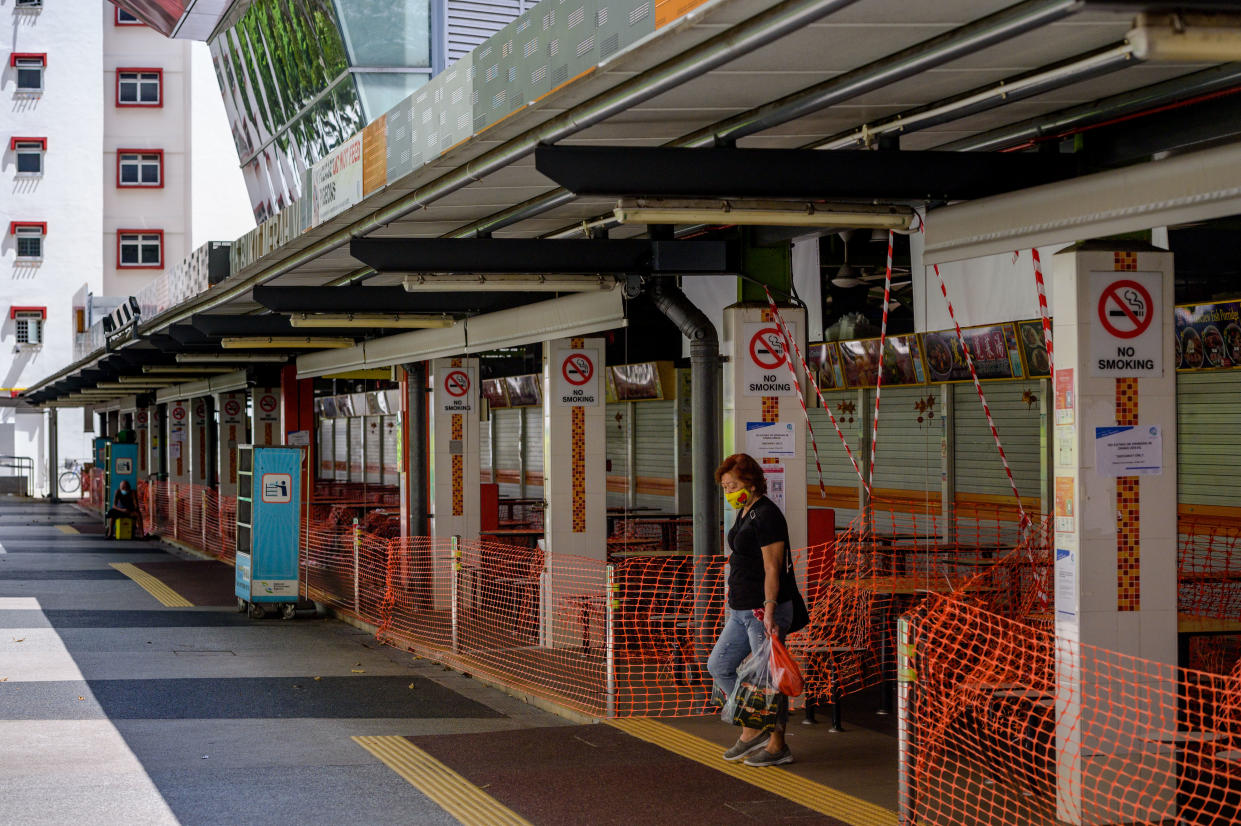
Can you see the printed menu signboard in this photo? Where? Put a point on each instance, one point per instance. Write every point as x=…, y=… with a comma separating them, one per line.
x=902, y=361
x=992, y=346
x=495, y=393
x=824, y=362
x=634, y=382
x=1208, y=336
x=1034, y=348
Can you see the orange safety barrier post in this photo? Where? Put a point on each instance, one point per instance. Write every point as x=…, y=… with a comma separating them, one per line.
x=1003, y=723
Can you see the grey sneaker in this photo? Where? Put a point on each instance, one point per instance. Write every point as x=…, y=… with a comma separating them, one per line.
x=766, y=758
x=742, y=748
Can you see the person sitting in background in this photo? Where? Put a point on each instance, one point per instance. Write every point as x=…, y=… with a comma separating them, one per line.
x=124, y=504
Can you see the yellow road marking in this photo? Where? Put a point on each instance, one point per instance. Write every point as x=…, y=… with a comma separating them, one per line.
x=815, y=796
x=66, y=529
x=168, y=597
x=452, y=792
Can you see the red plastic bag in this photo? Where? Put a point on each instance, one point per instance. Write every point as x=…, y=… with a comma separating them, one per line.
x=784, y=670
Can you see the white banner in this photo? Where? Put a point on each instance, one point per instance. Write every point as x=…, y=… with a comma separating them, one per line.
x=336, y=181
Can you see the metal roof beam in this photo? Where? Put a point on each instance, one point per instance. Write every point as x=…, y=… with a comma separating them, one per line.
x=378, y=299
x=632, y=256
x=795, y=173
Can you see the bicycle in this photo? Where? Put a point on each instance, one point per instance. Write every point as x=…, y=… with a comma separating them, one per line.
x=70, y=481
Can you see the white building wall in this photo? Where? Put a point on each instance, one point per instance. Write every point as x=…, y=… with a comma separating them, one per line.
x=165, y=127
x=69, y=113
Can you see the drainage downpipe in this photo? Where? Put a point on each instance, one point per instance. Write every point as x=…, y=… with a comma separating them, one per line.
x=737, y=41
x=704, y=357
x=417, y=447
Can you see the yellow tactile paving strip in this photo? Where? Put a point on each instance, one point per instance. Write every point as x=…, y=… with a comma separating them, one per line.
x=66, y=529
x=452, y=792
x=167, y=597
x=814, y=796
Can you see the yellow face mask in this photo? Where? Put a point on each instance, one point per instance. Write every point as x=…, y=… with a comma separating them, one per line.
x=738, y=498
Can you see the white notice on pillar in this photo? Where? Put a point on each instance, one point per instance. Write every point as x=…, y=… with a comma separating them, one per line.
x=766, y=360
x=457, y=386
x=576, y=378
x=1126, y=329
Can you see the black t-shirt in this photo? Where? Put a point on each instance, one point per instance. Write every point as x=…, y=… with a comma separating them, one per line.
x=124, y=500
x=762, y=525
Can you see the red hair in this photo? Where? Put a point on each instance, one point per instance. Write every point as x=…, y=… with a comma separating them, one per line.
x=747, y=471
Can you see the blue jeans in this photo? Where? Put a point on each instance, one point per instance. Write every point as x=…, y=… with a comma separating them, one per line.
x=743, y=633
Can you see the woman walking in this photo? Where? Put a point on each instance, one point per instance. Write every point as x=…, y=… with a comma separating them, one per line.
x=761, y=586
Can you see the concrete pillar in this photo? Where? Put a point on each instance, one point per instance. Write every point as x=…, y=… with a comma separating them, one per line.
x=574, y=472
x=265, y=409
x=1115, y=567
x=762, y=415
x=199, y=453
x=178, y=441
x=53, y=454
x=142, y=437
x=454, y=462
x=232, y=433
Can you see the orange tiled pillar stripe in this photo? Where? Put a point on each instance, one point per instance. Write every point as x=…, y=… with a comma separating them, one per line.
x=578, y=469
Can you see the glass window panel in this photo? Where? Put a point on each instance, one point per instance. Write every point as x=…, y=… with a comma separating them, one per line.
x=30, y=162
x=386, y=32
x=150, y=172
x=150, y=252
x=129, y=252
x=29, y=246
x=149, y=89
x=129, y=173
x=29, y=79
x=323, y=20
x=380, y=92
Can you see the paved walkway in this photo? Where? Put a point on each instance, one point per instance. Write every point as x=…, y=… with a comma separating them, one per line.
x=117, y=708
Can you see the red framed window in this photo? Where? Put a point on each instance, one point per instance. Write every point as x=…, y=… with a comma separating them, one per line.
x=28, y=236
x=127, y=18
x=30, y=68
x=28, y=153
x=140, y=87
x=140, y=168
x=28, y=323
x=140, y=249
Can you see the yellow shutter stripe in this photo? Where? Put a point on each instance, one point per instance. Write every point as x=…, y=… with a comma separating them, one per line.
x=167, y=597
x=815, y=796
x=452, y=792
x=66, y=529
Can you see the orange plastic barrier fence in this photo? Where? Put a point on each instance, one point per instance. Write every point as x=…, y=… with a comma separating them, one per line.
x=1002, y=723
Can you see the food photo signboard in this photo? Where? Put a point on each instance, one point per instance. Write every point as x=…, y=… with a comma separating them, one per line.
x=1208, y=336
x=1034, y=348
x=824, y=362
x=495, y=393
x=635, y=382
x=992, y=346
x=902, y=361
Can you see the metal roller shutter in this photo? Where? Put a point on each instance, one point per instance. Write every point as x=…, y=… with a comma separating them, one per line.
x=655, y=449
x=837, y=471
x=391, y=437
x=340, y=452
x=507, y=447
x=534, y=446
x=617, y=447
x=326, y=450
x=373, y=471
x=978, y=465
x=356, y=432
x=484, y=449
x=908, y=451
x=1208, y=454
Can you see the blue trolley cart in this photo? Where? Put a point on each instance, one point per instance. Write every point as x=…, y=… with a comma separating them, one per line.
x=269, y=481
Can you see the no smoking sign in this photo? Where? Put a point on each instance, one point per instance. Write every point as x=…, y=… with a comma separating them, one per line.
x=456, y=386
x=766, y=359
x=1126, y=324
x=576, y=377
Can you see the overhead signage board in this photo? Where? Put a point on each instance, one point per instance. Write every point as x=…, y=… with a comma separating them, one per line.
x=575, y=375
x=458, y=388
x=336, y=181
x=1126, y=329
x=765, y=360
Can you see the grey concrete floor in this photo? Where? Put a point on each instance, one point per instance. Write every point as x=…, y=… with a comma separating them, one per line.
x=115, y=709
